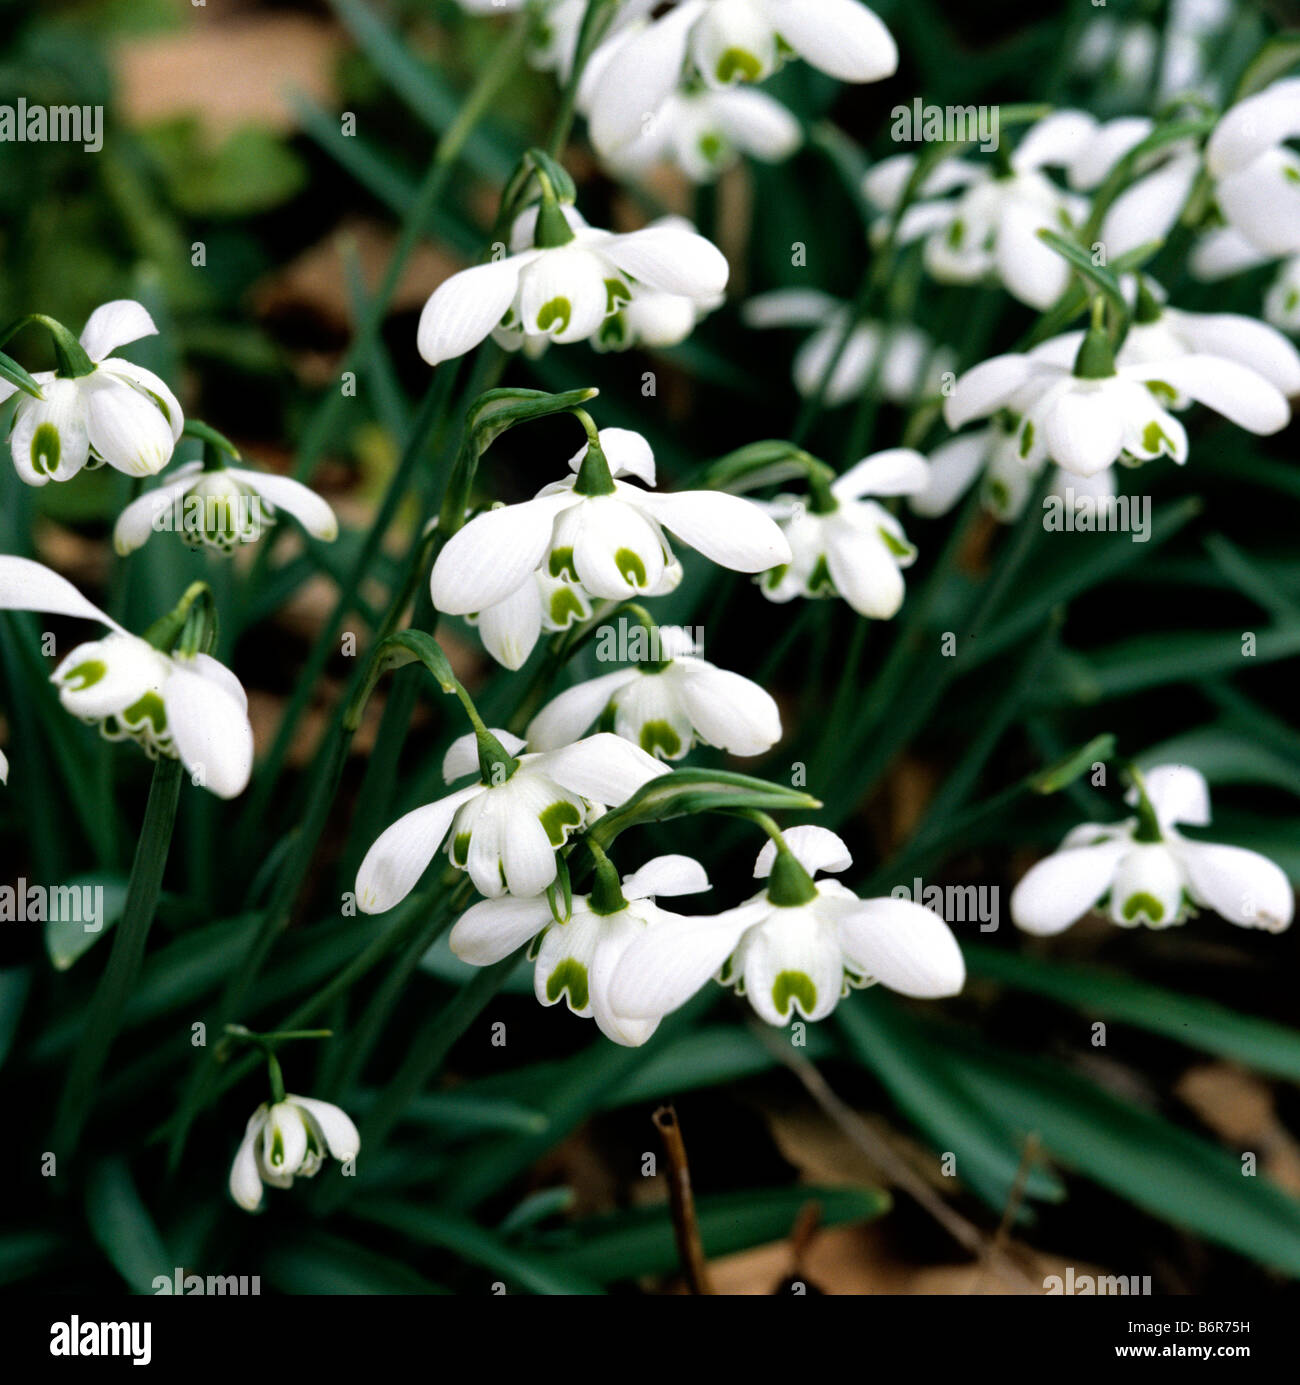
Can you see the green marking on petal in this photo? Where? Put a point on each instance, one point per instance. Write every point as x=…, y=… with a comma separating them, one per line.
x=565, y=607
x=1153, y=436
x=616, y=292
x=46, y=449
x=277, y=1147
x=460, y=848
x=631, y=566
x=659, y=736
x=1292, y=175
x=558, y=820
x=561, y=562
x=896, y=545
x=1292, y=300
x=1026, y=438
x=956, y=234
x=570, y=975
x=791, y=986
x=998, y=495
x=1143, y=903
x=85, y=675
x=738, y=64
x=149, y=708
x=820, y=581
x=557, y=311
x=773, y=577
x=1162, y=391
x=712, y=147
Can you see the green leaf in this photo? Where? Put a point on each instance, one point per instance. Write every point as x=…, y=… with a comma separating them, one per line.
x=1101, y=278
x=10, y=370
x=493, y=412
x=1065, y=771
x=66, y=938
x=624, y=1245
x=1200, y=1023
x=123, y=1228
x=316, y=1263
x=1276, y=58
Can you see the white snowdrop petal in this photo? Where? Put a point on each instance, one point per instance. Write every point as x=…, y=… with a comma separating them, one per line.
x=728, y=529
x=527, y=856
x=904, y=946
x=462, y=754
x=313, y=513
x=816, y=849
x=954, y=465
x=211, y=730
x=105, y=677
x=840, y=37
x=733, y=42
x=570, y=713
x=1056, y=140
x=603, y=768
x=114, y=324
x=1032, y=271
x=1246, y=340
x=1061, y=888
x=135, y=525
x=563, y=294
x=337, y=1127
x=1148, y=210
x=865, y=571
x=1240, y=395
x=401, y=853
x=492, y=929
x=149, y=384
x=985, y=388
x=666, y=875
x=1083, y=430
x=792, y=966
x=896, y=471
x=126, y=427
x=1262, y=202
x=725, y=708
x=616, y=550
x=1147, y=887
x=26, y=585
x=1244, y=887
x=639, y=76
x=463, y=309
x=1178, y=793
x=510, y=628
x=671, y=259
x=245, y=1180
x=1251, y=126
x=757, y=123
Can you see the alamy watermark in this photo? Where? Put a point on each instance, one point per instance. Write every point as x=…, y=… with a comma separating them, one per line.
x=921, y=123
x=31, y=124
x=24, y=903
x=955, y=903
x=1072, y=513
x=1097, y=1284
x=631, y=643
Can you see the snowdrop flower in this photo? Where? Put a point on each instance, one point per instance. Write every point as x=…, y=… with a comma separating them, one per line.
x=665, y=707
x=993, y=453
x=991, y=225
x=1282, y=302
x=289, y=1140
x=191, y=709
x=562, y=279
x=4, y=768
x=221, y=508
x=1144, y=871
x=725, y=42
x=704, y=132
x=577, y=959
x=1085, y=411
x=903, y=360
x=844, y=544
x=1148, y=208
x=603, y=532
x=511, y=627
x=504, y=829
x=1257, y=177
x=118, y=413
x=796, y=947
x=553, y=37
x=1159, y=333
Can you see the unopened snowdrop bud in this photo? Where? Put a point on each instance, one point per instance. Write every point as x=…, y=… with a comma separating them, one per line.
x=96, y=408
x=187, y=707
x=665, y=707
x=844, y=544
x=1144, y=871
x=794, y=948
x=577, y=958
x=601, y=531
x=505, y=828
x=289, y=1139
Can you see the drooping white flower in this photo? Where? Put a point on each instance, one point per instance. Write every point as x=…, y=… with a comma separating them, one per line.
x=725, y=42
x=564, y=289
x=665, y=707
x=705, y=131
x=844, y=544
x=901, y=358
x=1108, y=412
x=1148, y=208
x=1282, y=301
x=505, y=834
x=221, y=509
x=119, y=413
x=1006, y=479
x=286, y=1140
x=796, y=947
x=576, y=959
x=1149, y=873
x=191, y=709
x=1256, y=176
x=991, y=224
x=604, y=532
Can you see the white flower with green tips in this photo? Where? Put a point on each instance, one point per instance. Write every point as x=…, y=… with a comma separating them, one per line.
x=113, y=411
x=1145, y=871
x=286, y=1140
x=576, y=959
x=665, y=707
x=845, y=544
x=562, y=279
x=505, y=828
x=796, y=947
x=221, y=508
x=1083, y=409
x=188, y=708
x=601, y=531
x=1256, y=174
x=726, y=42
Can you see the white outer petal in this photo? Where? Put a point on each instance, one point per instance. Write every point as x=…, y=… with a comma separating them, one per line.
x=26, y=585
x=566, y=716
x=672, y=259
x=666, y=875
x=726, y=709
x=335, y=1125
x=462, y=310
x=114, y=324
x=1239, y=394
x=815, y=848
x=603, y=768
x=904, y=946
x=1244, y=887
x=492, y=929
x=896, y=471
x=840, y=37
x=401, y=853
x=210, y=727
x=313, y=513
x=728, y=529
x=1062, y=887
x=135, y=524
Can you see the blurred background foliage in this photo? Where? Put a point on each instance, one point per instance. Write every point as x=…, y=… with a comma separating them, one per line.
x=522, y=1164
